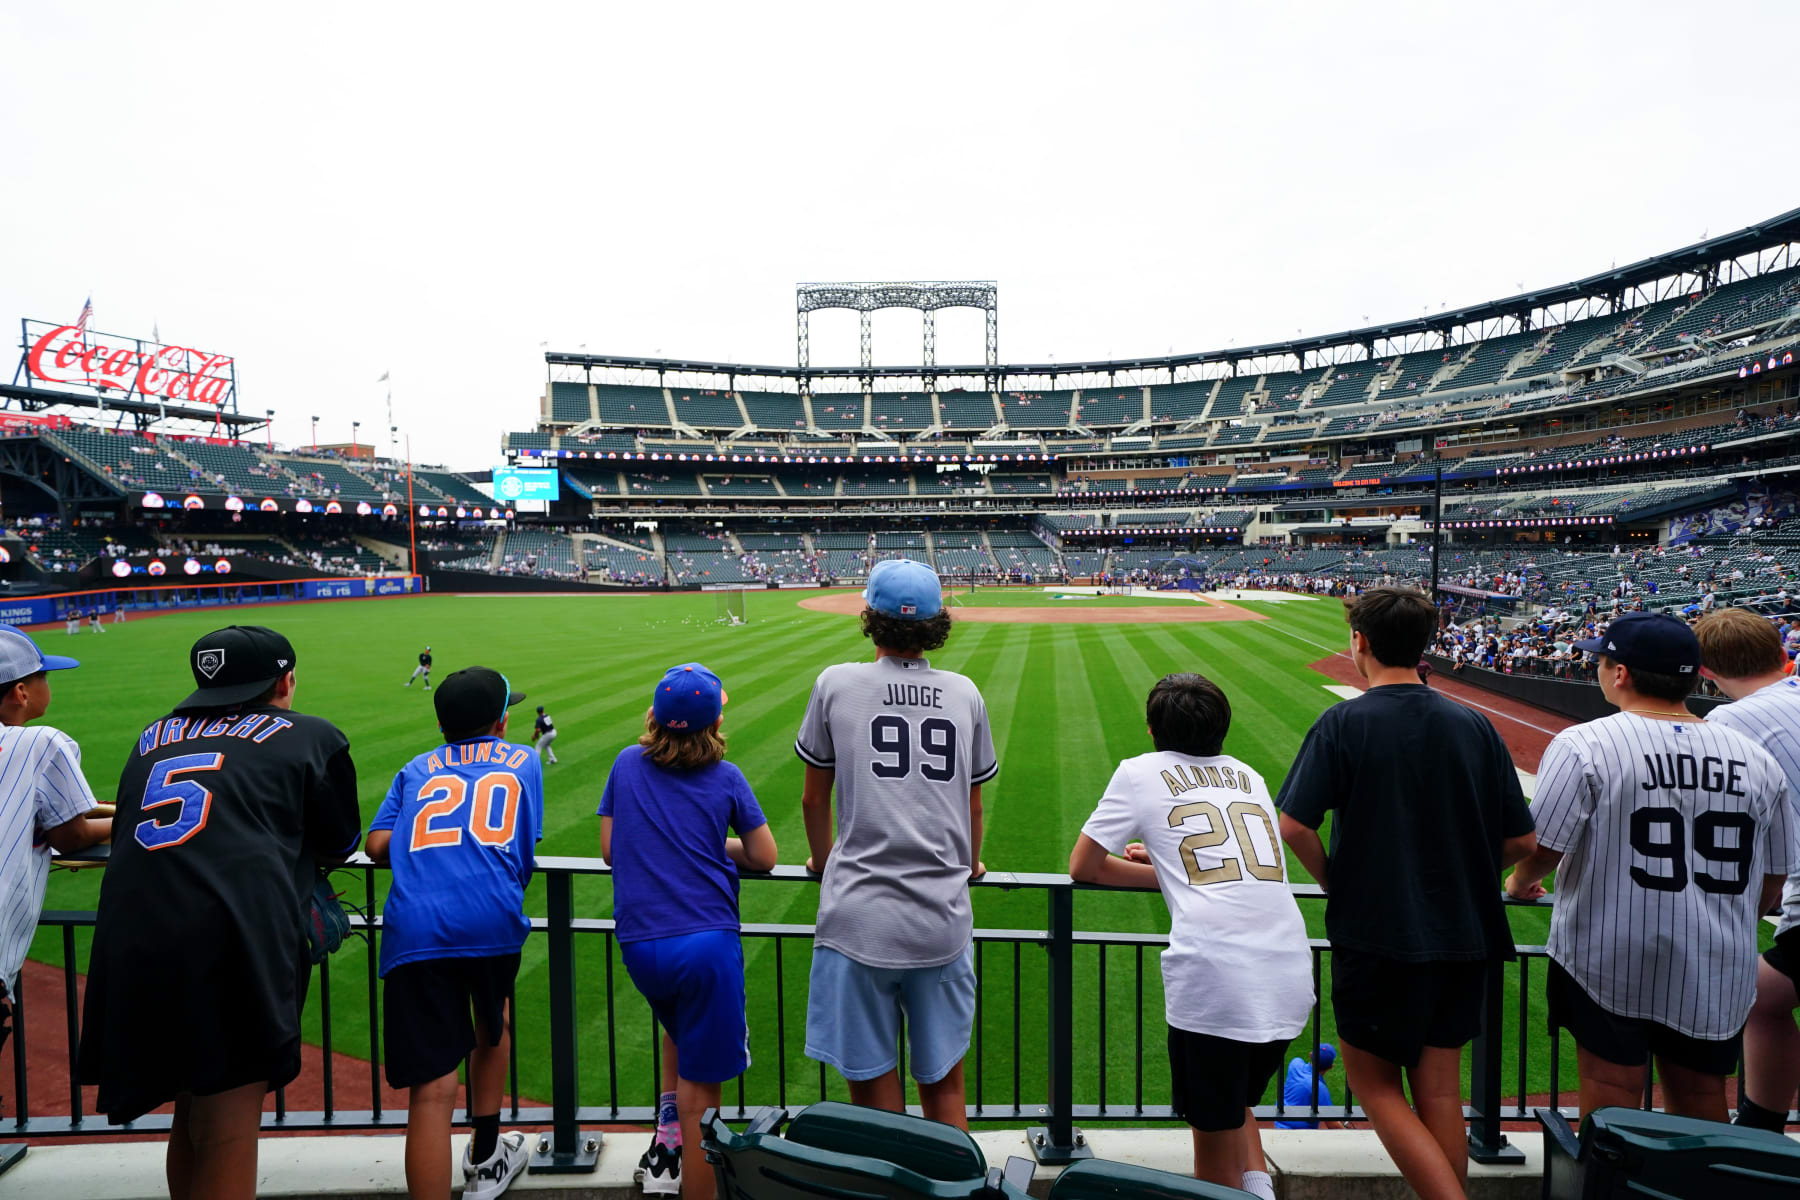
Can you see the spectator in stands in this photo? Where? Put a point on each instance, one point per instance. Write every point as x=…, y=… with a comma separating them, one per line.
x=1742, y=654
x=199, y=964
x=670, y=802
x=452, y=929
x=1237, y=977
x=895, y=930
x=1426, y=812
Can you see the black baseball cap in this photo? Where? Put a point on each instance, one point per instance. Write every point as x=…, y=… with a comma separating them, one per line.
x=1646, y=641
x=235, y=664
x=471, y=699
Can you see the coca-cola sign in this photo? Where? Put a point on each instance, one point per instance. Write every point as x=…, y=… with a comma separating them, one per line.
x=68, y=356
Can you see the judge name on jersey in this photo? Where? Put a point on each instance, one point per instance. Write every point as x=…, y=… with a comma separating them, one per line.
x=914, y=695
x=1684, y=772
x=1183, y=777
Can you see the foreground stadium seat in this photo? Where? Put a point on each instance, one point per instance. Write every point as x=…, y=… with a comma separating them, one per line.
x=931, y=1148
x=1095, y=1179
x=1628, y=1152
x=761, y=1165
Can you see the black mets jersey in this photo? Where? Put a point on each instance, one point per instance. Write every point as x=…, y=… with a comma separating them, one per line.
x=544, y=725
x=199, y=960
x=424, y=660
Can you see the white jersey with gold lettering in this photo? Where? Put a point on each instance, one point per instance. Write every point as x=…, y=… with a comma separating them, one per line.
x=1237, y=965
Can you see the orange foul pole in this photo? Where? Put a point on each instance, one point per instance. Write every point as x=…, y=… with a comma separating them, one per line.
x=412, y=515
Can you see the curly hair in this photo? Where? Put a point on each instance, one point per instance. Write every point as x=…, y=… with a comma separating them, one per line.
x=906, y=637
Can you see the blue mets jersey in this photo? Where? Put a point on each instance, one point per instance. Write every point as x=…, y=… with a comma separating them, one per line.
x=466, y=819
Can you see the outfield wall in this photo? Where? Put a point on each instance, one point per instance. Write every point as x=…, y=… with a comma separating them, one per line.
x=1572, y=698
x=55, y=606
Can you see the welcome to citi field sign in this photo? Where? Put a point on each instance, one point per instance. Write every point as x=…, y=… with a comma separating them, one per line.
x=114, y=367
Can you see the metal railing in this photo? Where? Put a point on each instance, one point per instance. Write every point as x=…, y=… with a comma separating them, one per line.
x=1001, y=967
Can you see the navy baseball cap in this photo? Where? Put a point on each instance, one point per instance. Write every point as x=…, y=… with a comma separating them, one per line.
x=1648, y=642
x=902, y=588
x=472, y=699
x=236, y=664
x=20, y=656
x=688, y=697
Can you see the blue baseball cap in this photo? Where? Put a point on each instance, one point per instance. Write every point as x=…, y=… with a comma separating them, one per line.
x=1648, y=641
x=20, y=656
x=902, y=588
x=1327, y=1055
x=688, y=697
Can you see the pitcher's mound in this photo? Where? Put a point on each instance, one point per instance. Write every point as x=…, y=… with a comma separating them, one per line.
x=1179, y=612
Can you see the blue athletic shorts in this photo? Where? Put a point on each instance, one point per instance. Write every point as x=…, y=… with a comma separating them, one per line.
x=695, y=986
x=853, y=1015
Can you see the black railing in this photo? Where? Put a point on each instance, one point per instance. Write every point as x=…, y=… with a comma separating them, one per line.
x=1054, y=1136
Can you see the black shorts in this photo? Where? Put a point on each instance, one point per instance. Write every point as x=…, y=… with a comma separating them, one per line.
x=430, y=1008
x=1395, y=1009
x=1215, y=1079
x=1630, y=1041
x=1784, y=955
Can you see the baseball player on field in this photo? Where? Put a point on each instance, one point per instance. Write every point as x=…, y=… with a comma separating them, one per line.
x=1669, y=836
x=424, y=668
x=544, y=733
x=1237, y=976
x=1742, y=654
x=908, y=748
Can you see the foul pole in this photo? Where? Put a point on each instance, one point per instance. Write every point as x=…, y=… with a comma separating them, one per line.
x=412, y=515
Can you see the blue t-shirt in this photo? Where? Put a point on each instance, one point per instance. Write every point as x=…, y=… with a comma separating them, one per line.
x=466, y=820
x=1296, y=1092
x=670, y=873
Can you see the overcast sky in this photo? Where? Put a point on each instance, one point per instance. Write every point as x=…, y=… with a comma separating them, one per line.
x=331, y=191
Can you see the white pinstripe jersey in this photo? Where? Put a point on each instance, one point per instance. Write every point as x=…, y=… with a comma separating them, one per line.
x=1770, y=717
x=41, y=787
x=1667, y=829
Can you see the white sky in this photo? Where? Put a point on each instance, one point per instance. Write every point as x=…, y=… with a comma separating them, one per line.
x=328, y=191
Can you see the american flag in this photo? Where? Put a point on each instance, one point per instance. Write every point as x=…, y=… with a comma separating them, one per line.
x=81, y=322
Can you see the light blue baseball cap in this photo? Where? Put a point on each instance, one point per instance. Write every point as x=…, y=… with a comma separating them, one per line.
x=20, y=656
x=904, y=589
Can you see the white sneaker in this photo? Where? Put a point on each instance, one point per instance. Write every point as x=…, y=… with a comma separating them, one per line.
x=659, y=1170
x=489, y=1179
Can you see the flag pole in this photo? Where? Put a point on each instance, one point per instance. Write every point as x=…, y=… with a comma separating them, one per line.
x=412, y=516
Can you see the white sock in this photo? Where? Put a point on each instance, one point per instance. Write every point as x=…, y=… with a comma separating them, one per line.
x=1258, y=1184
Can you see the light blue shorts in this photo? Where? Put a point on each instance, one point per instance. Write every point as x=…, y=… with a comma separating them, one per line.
x=853, y=1015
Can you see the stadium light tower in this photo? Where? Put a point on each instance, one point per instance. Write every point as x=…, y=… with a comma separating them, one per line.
x=315, y=440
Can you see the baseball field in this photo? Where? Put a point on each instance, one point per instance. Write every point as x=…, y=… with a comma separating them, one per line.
x=1066, y=700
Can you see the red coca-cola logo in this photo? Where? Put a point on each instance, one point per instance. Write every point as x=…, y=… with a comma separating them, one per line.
x=65, y=355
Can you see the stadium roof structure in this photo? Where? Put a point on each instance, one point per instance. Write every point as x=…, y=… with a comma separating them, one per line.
x=1703, y=261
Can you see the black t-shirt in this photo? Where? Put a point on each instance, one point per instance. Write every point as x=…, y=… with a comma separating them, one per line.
x=424, y=660
x=1422, y=791
x=220, y=816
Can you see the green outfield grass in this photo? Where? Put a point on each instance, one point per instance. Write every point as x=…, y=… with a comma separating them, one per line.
x=1066, y=703
x=1022, y=597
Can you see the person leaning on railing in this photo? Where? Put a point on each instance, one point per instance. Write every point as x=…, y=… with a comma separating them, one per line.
x=200, y=961
x=1426, y=812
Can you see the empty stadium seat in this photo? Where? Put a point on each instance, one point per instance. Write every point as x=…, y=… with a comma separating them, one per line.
x=1098, y=1179
x=759, y=1164
x=1629, y=1152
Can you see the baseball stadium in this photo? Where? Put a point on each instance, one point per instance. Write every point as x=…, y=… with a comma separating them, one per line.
x=1539, y=463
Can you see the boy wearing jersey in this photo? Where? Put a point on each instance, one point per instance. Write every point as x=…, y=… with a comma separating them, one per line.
x=459, y=827
x=1742, y=653
x=907, y=747
x=1426, y=811
x=1237, y=976
x=670, y=802
x=1669, y=837
x=200, y=964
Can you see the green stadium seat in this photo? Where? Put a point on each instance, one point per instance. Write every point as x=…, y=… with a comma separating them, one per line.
x=1628, y=1152
x=931, y=1148
x=1096, y=1179
x=758, y=1164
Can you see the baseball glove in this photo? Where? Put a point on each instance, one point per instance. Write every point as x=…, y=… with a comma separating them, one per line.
x=326, y=921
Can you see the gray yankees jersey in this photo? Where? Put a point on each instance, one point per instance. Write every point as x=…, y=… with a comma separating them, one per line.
x=1667, y=829
x=907, y=742
x=1770, y=717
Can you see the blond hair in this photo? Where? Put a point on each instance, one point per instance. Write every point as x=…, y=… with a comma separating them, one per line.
x=681, y=749
x=1738, y=644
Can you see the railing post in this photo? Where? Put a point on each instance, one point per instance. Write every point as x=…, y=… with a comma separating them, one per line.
x=1057, y=1141
x=567, y=1150
x=1486, y=1143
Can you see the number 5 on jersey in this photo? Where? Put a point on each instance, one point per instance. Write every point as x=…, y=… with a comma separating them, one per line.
x=193, y=803
x=436, y=825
